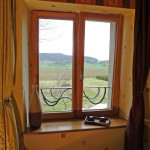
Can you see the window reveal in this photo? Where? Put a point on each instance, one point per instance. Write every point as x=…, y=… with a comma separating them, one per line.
x=77, y=59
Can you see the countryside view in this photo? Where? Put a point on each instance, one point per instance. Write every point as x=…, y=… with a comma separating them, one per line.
x=56, y=63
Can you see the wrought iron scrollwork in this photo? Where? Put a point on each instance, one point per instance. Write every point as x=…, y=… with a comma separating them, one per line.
x=56, y=99
x=63, y=95
x=98, y=93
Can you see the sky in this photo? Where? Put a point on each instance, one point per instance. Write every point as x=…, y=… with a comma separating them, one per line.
x=56, y=36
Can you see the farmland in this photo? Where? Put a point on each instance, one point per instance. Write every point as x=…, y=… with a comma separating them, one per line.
x=56, y=73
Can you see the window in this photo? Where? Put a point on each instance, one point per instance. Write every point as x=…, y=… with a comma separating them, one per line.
x=75, y=60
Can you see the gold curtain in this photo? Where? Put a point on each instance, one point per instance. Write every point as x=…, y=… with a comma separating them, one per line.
x=8, y=128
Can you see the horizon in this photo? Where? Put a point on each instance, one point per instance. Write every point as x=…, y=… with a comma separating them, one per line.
x=57, y=37
x=71, y=55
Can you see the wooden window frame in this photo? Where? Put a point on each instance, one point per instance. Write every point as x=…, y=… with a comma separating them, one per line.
x=78, y=53
x=117, y=63
x=34, y=57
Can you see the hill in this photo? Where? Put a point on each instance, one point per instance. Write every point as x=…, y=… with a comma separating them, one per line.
x=61, y=58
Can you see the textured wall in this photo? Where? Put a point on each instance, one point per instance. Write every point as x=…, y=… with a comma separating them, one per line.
x=96, y=140
x=109, y=139
x=127, y=44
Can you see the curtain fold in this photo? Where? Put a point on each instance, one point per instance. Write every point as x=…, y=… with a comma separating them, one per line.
x=141, y=65
x=8, y=128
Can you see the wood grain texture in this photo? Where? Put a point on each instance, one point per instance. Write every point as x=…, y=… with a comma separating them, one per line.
x=74, y=125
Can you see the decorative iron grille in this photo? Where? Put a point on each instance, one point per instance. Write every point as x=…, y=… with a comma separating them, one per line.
x=53, y=95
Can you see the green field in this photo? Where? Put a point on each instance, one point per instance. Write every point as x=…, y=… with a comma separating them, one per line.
x=52, y=65
x=60, y=75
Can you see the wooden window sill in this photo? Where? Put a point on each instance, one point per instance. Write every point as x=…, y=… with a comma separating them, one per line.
x=74, y=125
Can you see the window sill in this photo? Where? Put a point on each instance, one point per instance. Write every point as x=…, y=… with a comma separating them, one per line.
x=73, y=126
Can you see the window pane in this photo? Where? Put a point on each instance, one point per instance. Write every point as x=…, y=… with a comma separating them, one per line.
x=99, y=48
x=55, y=64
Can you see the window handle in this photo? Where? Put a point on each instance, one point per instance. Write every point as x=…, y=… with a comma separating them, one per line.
x=81, y=74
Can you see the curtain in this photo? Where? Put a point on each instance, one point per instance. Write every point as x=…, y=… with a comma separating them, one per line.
x=141, y=65
x=8, y=129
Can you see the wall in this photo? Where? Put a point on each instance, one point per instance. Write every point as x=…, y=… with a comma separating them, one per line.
x=127, y=45
x=101, y=139
x=75, y=140
x=114, y=137
x=25, y=64
x=126, y=66
x=111, y=139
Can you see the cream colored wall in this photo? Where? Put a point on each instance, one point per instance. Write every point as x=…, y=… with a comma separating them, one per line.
x=21, y=86
x=25, y=64
x=112, y=139
x=126, y=66
x=76, y=139
x=127, y=45
x=87, y=140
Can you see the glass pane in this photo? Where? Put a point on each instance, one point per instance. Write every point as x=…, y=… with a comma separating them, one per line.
x=98, y=64
x=55, y=64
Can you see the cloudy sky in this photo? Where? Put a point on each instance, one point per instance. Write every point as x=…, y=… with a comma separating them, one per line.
x=56, y=36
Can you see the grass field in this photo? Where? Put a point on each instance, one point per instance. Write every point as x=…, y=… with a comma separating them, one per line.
x=59, y=75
